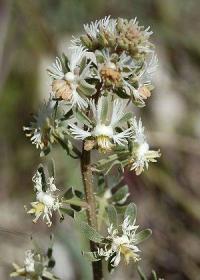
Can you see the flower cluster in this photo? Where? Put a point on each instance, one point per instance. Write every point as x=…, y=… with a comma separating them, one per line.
x=121, y=34
x=109, y=66
x=36, y=266
x=120, y=245
x=46, y=201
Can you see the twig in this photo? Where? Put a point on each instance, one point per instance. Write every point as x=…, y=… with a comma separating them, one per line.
x=91, y=210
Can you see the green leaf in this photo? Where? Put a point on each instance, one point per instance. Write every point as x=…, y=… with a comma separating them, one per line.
x=122, y=94
x=78, y=194
x=138, y=103
x=65, y=61
x=67, y=211
x=110, y=266
x=121, y=194
x=89, y=232
x=104, y=109
x=72, y=193
x=42, y=173
x=142, y=235
x=101, y=183
x=38, y=267
x=99, y=56
x=83, y=64
x=52, y=168
x=63, y=144
x=80, y=216
x=51, y=263
x=67, y=146
x=112, y=215
x=91, y=256
x=86, y=88
x=116, y=162
x=125, y=118
x=45, y=152
x=131, y=212
x=154, y=275
x=69, y=193
x=82, y=117
x=121, y=209
x=47, y=275
x=141, y=273
x=49, y=253
x=68, y=114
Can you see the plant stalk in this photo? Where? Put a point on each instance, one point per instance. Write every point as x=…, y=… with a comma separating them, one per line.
x=91, y=210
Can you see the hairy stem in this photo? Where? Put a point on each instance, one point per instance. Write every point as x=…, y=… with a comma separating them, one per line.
x=91, y=210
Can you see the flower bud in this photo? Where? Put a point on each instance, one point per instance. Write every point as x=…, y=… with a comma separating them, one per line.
x=103, y=40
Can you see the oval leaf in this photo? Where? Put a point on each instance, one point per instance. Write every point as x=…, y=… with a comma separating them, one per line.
x=131, y=211
x=112, y=215
x=141, y=273
x=120, y=195
x=89, y=232
x=142, y=235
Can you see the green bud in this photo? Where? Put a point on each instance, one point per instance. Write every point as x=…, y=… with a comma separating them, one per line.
x=102, y=39
x=86, y=41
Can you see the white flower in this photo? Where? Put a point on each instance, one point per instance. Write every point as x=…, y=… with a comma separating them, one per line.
x=67, y=81
x=39, y=130
x=36, y=266
x=28, y=270
x=144, y=78
x=138, y=131
x=56, y=70
x=142, y=154
x=103, y=129
x=149, y=69
x=47, y=202
x=106, y=24
x=121, y=244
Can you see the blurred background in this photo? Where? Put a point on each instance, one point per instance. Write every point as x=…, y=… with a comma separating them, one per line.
x=32, y=33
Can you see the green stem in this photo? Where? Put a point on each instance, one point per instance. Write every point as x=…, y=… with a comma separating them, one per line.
x=91, y=210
